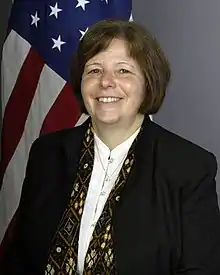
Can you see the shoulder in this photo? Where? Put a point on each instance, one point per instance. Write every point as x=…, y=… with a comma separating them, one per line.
x=178, y=145
x=54, y=139
x=52, y=146
x=180, y=157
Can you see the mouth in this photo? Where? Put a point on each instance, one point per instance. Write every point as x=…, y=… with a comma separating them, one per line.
x=108, y=99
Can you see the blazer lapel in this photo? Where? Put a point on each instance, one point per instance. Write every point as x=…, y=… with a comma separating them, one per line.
x=144, y=156
x=136, y=201
x=72, y=144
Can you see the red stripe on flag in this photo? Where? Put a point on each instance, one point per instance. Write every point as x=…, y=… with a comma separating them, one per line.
x=64, y=113
x=18, y=106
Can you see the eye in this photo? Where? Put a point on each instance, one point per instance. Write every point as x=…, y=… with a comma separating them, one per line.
x=94, y=71
x=124, y=71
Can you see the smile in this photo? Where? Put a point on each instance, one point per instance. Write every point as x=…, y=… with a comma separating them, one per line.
x=108, y=99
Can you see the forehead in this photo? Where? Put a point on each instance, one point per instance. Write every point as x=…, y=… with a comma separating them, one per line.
x=117, y=48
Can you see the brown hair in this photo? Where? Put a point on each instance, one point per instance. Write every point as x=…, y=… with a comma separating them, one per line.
x=142, y=47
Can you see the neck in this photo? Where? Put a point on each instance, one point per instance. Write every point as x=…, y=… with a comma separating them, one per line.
x=114, y=134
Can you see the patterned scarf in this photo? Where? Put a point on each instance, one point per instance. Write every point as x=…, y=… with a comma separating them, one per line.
x=100, y=257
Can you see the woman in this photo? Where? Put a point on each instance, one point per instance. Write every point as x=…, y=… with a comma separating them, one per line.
x=118, y=194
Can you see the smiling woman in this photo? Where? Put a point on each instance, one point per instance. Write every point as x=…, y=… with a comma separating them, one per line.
x=140, y=52
x=113, y=89
x=118, y=194
x=119, y=74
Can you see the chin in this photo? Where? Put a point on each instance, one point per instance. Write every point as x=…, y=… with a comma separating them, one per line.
x=107, y=120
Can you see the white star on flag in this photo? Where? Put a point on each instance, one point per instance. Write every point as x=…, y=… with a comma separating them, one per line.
x=55, y=10
x=82, y=3
x=83, y=32
x=58, y=43
x=106, y=1
x=35, y=19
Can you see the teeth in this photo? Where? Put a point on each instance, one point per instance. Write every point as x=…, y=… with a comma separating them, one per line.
x=108, y=99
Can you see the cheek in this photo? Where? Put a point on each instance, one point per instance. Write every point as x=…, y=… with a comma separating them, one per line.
x=87, y=86
x=135, y=91
x=85, y=89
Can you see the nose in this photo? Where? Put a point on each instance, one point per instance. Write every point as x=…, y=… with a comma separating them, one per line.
x=107, y=80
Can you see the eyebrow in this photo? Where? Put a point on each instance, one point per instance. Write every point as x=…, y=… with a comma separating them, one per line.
x=92, y=64
x=118, y=63
x=125, y=63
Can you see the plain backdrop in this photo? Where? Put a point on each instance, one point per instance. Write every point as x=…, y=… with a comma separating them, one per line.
x=189, y=33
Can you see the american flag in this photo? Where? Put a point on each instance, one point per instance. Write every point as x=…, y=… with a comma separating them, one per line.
x=36, y=95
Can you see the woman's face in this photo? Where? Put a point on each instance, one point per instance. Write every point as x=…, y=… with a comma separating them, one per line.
x=113, y=85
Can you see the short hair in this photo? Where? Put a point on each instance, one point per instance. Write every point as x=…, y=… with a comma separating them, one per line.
x=142, y=47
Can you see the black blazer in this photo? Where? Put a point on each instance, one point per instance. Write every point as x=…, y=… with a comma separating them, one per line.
x=167, y=221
